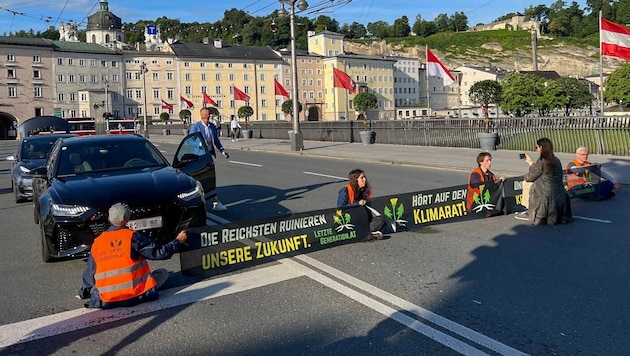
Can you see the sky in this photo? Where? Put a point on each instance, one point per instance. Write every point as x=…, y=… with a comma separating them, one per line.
x=38, y=15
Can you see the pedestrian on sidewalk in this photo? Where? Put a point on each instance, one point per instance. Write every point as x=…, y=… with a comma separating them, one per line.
x=548, y=200
x=579, y=174
x=209, y=132
x=117, y=273
x=358, y=193
x=235, y=129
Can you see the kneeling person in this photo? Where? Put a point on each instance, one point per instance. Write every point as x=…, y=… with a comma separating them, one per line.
x=117, y=273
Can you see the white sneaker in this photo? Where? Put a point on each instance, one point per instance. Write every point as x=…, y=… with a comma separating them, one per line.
x=377, y=235
x=217, y=206
x=522, y=215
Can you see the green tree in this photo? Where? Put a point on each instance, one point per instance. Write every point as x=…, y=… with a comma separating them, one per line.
x=401, y=27
x=519, y=93
x=423, y=28
x=214, y=111
x=618, y=86
x=245, y=112
x=185, y=115
x=575, y=93
x=441, y=23
x=287, y=107
x=164, y=116
x=363, y=102
x=324, y=23
x=459, y=21
x=379, y=29
x=484, y=93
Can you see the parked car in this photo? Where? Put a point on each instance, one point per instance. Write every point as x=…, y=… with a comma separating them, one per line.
x=85, y=175
x=32, y=153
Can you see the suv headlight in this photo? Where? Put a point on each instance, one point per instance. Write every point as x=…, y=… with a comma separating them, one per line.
x=24, y=169
x=68, y=210
x=195, y=193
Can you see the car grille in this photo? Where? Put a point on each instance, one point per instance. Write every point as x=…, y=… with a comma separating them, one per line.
x=174, y=218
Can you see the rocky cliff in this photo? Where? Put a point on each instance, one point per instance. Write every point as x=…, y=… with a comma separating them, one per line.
x=566, y=60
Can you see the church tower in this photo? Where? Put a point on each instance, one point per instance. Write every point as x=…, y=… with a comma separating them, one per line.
x=105, y=28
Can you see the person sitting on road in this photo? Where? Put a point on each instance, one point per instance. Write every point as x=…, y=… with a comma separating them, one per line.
x=578, y=174
x=117, y=273
x=358, y=193
x=482, y=176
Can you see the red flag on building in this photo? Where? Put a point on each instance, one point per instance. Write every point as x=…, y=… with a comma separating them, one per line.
x=435, y=68
x=167, y=106
x=343, y=80
x=279, y=89
x=188, y=103
x=239, y=95
x=614, y=40
x=208, y=100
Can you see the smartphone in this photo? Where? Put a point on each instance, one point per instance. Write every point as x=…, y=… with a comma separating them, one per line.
x=521, y=155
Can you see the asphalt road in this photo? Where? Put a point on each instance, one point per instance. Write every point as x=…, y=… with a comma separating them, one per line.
x=496, y=286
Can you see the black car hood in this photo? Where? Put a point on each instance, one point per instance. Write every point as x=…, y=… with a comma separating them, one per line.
x=141, y=185
x=33, y=163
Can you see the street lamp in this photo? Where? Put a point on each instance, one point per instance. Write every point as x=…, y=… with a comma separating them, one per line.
x=143, y=71
x=297, y=141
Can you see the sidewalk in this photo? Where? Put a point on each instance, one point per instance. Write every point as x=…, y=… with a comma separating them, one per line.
x=506, y=163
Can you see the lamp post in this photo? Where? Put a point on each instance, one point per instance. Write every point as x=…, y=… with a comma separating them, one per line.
x=143, y=71
x=297, y=141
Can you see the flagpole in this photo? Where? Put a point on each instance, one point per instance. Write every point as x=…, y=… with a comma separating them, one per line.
x=426, y=69
x=601, y=67
x=346, y=91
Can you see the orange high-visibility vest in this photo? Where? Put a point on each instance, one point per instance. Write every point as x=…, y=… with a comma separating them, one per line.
x=470, y=192
x=574, y=179
x=351, y=194
x=118, y=277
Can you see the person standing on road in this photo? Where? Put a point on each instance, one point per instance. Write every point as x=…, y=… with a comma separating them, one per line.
x=209, y=132
x=578, y=174
x=359, y=193
x=482, y=176
x=548, y=200
x=117, y=273
x=235, y=129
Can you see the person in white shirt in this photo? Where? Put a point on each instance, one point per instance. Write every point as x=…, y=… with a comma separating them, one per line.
x=235, y=129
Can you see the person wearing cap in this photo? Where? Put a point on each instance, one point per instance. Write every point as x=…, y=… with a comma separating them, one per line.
x=117, y=273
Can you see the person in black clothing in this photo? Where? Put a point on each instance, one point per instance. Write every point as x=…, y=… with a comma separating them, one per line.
x=358, y=193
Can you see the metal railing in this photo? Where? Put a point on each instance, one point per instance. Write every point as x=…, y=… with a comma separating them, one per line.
x=603, y=135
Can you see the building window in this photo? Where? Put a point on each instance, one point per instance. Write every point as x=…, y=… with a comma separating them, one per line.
x=93, y=79
x=137, y=75
x=188, y=90
x=156, y=93
x=155, y=76
x=37, y=74
x=138, y=94
x=92, y=62
x=263, y=89
x=10, y=58
x=60, y=97
x=71, y=78
x=81, y=78
x=169, y=76
x=203, y=77
x=12, y=93
x=186, y=64
x=247, y=89
x=217, y=76
x=60, y=61
x=202, y=64
x=37, y=59
x=83, y=97
x=245, y=77
x=263, y=103
x=60, y=78
x=170, y=94
x=129, y=94
x=217, y=90
x=114, y=64
x=231, y=76
x=72, y=97
x=187, y=76
x=37, y=91
x=70, y=61
x=11, y=73
x=262, y=76
x=114, y=78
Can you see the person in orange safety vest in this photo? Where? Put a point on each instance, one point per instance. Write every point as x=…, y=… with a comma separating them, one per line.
x=117, y=273
x=359, y=193
x=481, y=176
x=577, y=175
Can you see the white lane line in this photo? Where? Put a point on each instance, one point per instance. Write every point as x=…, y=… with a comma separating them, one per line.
x=325, y=175
x=387, y=311
x=407, y=306
x=593, y=219
x=56, y=324
x=245, y=163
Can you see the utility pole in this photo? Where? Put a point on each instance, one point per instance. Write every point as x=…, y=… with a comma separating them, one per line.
x=143, y=71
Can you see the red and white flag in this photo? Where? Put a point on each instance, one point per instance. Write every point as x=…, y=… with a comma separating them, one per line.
x=186, y=102
x=279, y=89
x=614, y=40
x=240, y=95
x=166, y=106
x=435, y=68
x=343, y=80
x=208, y=100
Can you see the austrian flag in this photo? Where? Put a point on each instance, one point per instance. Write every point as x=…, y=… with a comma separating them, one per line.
x=166, y=106
x=435, y=68
x=614, y=40
x=186, y=102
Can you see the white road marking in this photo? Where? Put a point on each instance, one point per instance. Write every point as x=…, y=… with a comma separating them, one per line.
x=245, y=163
x=326, y=175
x=406, y=306
x=593, y=219
x=56, y=324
